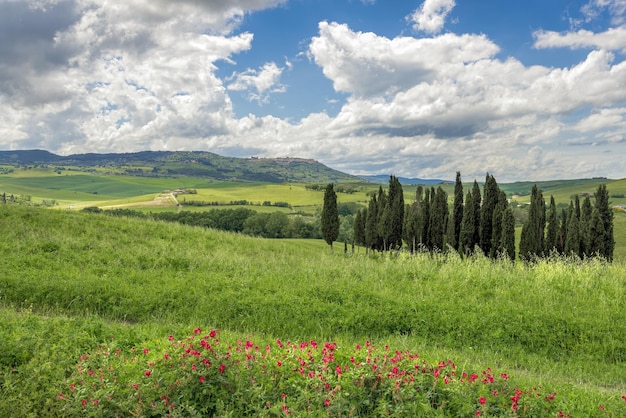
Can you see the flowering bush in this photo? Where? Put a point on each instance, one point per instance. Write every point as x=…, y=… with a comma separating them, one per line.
x=202, y=375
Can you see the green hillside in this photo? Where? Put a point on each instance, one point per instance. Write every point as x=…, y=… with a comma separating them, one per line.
x=75, y=284
x=196, y=164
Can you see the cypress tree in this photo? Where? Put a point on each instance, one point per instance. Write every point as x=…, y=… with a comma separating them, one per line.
x=489, y=203
x=597, y=234
x=384, y=219
x=496, y=229
x=359, y=227
x=507, y=240
x=456, y=217
x=476, y=208
x=532, y=239
x=602, y=205
x=552, y=234
x=396, y=213
x=371, y=224
x=585, y=221
x=426, y=219
x=562, y=233
x=466, y=236
x=330, y=216
x=572, y=240
x=438, y=218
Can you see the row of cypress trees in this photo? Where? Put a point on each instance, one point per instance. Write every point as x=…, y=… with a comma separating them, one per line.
x=478, y=222
x=584, y=230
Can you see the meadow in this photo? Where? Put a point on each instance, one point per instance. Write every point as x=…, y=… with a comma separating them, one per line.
x=105, y=316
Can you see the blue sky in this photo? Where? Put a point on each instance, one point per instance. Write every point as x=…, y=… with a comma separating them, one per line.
x=527, y=90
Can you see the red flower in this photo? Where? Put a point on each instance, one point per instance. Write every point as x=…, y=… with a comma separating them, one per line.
x=147, y=373
x=222, y=367
x=338, y=370
x=145, y=351
x=201, y=379
x=83, y=402
x=482, y=400
x=477, y=413
x=60, y=396
x=212, y=333
x=326, y=402
x=197, y=331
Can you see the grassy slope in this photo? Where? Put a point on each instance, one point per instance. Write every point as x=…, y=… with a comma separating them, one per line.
x=551, y=322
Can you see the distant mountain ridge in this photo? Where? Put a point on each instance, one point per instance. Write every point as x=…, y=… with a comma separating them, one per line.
x=192, y=164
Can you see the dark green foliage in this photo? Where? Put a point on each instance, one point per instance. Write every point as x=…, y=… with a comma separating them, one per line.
x=572, y=240
x=395, y=210
x=359, y=227
x=597, y=234
x=438, y=219
x=426, y=207
x=562, y=232
x=487, y=208
x=456, y=216
x=477, y=200
x=224, y=219
x=496, y=230
x=507, y=240
x=532, y=239
x=605, y=231
x=466, y=236
x=371, y=225
x=409, y=232
x=330, y=216
x=552, y=234
x=585, y=222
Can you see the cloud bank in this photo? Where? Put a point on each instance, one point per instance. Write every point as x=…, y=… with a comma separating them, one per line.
x=88, y=76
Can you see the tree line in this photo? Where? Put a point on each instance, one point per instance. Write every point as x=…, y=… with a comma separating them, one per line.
x=475, y=222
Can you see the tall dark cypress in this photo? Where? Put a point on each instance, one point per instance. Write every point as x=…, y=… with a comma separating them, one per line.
x=466, y=236
x=426, y=203
x=371, y=225
x=489, y=203
x=396, y=213
x=572, y=240
x=507, y=241
x=496, y=229
x=409, y=231
x=330, y=216
x=384, y=219
x=597, y=234
x=532, y=239
x=476, y=202
x=552, y=232
x=438, y=218
x=562, y=232
x=585, y=220
x=602, y=205
x=456, y=217
x=359, y=227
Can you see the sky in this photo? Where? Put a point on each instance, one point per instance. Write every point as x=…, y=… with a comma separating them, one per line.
x=523, y=90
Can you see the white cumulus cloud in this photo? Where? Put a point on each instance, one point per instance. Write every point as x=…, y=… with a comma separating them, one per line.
x=431, y=16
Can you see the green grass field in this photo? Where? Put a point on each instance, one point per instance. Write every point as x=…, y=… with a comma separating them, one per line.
x=72, y=282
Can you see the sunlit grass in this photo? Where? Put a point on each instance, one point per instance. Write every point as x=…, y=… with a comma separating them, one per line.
x=556, y=322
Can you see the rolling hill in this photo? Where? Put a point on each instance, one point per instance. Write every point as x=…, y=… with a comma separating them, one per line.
x=189, y=164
